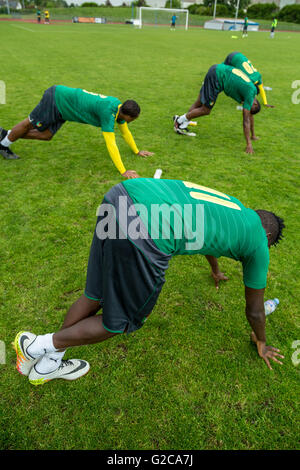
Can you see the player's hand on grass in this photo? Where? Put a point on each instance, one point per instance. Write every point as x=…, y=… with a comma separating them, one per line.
x=268, y=352
x=217, y=277
x=130, y=174
x=145, y=153
x=269, y=106
x=249, y=149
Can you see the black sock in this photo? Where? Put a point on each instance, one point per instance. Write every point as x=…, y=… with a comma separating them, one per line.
x=3, y=134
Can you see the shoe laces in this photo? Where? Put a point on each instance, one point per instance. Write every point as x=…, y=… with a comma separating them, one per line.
x=65, y=363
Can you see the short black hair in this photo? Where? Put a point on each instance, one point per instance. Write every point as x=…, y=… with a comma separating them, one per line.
x=257, y=107
x=273, y=224
x=130, y=108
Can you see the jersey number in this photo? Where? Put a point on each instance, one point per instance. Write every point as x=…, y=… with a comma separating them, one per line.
x=208, y=197
x=241, y=74
x=249, y=67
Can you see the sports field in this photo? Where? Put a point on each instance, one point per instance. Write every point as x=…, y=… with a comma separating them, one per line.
x=190, y=378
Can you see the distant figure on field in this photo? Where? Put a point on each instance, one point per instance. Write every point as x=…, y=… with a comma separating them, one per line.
x=38, y=15
x=245, y=27
x=173, y=22
x=273, y=27
x=47, y=17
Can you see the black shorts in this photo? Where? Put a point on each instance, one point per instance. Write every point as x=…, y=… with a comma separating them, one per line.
x=228, y=59
x=210, y=88
x=124, y=281
x=46, y=114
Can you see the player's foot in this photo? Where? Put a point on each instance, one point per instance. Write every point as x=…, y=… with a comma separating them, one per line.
x=179, y=130
x=24, y=361
x=69, y=370
x=184, y=132
x=3, y=133
x=7, y=153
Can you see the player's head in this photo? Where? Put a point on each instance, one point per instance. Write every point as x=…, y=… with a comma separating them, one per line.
x=273, y=226
x=255, y=108
x=129, y=110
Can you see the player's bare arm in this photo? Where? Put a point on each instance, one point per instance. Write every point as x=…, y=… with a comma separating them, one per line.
x=216, y=273
x=255, y=313
x=247, y=130
x=253, y=136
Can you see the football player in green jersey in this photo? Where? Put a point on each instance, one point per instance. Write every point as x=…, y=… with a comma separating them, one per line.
x=142, y=223
x=240, y=61
x=60, y=104
x=236, y=85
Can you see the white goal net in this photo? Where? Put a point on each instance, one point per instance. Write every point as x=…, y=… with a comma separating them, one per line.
x=162, y=17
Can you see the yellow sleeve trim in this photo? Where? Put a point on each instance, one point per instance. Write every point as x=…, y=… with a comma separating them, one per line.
x=113, y=150
x=263, y=93
x=127, y=136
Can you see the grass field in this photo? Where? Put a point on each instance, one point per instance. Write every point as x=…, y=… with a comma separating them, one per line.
x=190, y=378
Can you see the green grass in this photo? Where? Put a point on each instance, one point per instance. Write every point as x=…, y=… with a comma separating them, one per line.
x=189, y=379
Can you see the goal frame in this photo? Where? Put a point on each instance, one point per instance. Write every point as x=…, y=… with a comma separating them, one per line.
x=173, y=10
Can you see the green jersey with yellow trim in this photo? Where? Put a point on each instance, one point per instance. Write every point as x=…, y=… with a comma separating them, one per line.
x=236, y=84
x=75, y=104
x=240, y=61
x=187, y=218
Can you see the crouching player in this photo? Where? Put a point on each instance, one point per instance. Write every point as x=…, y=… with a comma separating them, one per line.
x=241, y=62
x=142, y=223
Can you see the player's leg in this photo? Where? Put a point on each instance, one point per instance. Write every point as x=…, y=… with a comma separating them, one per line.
x=204, y=103
x=87, y=331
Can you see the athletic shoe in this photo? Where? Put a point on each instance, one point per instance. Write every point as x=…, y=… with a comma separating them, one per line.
x=7, y=153
x=24, y=361
x=68, y=370
x=3, y=133
x=181, y=131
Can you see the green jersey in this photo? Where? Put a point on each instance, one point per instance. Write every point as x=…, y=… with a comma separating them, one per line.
x=75, y=104
x=240, y=61
x=236, y=84
x=185, y=218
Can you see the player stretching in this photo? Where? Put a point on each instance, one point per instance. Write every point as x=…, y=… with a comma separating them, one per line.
x=235, y=84
x=129, y=255
x=60, y=103
x=240, y=61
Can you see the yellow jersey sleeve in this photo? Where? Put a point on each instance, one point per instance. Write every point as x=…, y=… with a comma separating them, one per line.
x=127, y=136
x=113, y=150
x=263, y=93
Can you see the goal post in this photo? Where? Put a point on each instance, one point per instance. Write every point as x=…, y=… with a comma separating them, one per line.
x=166, y=11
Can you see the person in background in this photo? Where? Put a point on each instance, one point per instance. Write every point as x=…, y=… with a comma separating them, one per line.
x=273, y=27
x=245, y=27
x=47, y=17
x=173, y=22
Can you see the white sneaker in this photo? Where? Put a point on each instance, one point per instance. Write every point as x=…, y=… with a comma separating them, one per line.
x=184, y=132
x=69, y=370
x=182, y=128
x=24, y=361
